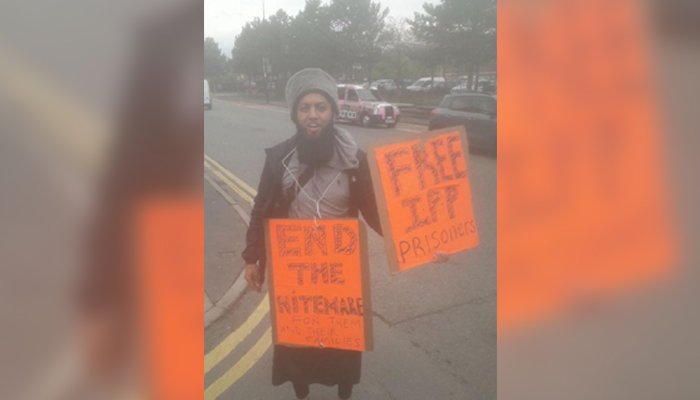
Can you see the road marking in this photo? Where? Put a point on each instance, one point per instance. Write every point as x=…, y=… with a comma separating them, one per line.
x=207, y=302
x=240, y=368
x=219, y=189
x=410, y=130
x=245, y=191
x=269, y=107
x=249, y=189
x=230, y=183
x=241, y=212
x=229, y=344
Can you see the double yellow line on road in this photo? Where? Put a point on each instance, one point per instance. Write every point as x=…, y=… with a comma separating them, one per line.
x=238, y=185
x=231, y=342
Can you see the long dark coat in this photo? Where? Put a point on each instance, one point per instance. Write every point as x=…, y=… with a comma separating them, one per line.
x=306, y=365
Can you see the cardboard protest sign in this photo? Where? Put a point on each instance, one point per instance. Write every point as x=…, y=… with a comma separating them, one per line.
x=423, y=195
x=319, y=283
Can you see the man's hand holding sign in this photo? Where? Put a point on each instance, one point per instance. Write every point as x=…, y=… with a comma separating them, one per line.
x=424, y=197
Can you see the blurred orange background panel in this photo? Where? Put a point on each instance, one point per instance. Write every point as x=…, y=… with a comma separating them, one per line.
x=170, y=248
x=582, y=203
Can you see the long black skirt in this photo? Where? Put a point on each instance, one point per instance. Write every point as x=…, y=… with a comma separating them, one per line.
x=311, y=365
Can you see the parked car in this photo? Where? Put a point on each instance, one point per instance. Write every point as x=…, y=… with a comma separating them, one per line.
x=426, y=84
x=476, y=111
x=461, y=88
x=483, y=85
x=488, y=87
x=207, y=96
x=360, y=105
x=384, y=84
x=403, y=83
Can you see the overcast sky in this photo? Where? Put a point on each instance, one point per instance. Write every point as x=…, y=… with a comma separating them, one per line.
x=224, y=19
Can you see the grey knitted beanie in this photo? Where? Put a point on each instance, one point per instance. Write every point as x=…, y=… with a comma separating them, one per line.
x=308, y=80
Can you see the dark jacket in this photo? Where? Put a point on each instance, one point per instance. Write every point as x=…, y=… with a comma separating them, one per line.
x=270, y=203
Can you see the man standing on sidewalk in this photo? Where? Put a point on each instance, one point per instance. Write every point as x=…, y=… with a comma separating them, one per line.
x=318, y=173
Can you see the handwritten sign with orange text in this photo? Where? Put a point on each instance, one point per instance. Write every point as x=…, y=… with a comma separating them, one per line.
x=424, y=197
x=319, y=283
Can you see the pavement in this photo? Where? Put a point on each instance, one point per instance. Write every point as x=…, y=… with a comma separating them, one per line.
x=225, y=223
x=223, y=241
x=434, y=327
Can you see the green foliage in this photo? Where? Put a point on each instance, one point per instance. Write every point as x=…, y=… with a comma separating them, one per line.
x=397, y=60
x=214, y=62
x=355, y=39
x=263, y=39
x=457, y=32
x=311, y=42
x=359, y=30
x=333, y=37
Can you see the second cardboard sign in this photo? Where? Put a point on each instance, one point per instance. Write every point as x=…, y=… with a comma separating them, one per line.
x=423, y=195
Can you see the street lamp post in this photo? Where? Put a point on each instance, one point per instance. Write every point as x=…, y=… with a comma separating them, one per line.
x=265, y=63
x=266, y=70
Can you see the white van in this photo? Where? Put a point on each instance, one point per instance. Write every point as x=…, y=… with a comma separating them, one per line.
x=424, y=84
x=207, y=97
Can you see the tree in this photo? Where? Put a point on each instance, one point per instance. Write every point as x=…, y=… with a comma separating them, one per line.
x=359, y=30
x=311, y=43
x=274, y=41
x=461, y=32
x=397, y=51
x=247, y=54
x=229, y=80
x=258, y=40
x=335, y=37
x=214, y=62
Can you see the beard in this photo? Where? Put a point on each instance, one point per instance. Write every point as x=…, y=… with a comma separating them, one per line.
x=315, y=150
